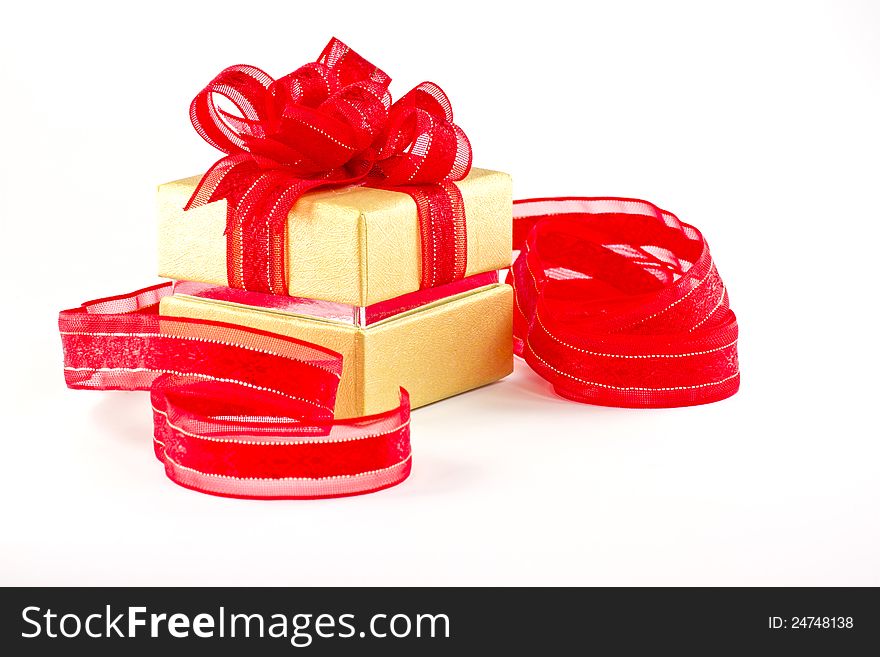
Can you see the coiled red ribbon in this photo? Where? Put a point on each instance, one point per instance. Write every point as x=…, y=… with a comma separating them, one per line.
x=617, y=302
x=329, y=123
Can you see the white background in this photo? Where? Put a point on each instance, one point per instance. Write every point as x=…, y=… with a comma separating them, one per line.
x=758, y=123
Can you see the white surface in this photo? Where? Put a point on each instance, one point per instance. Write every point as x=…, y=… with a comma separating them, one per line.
x=757, y=123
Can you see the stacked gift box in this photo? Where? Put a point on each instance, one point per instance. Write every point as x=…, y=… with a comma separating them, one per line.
x=344, y=250
x=354, y=279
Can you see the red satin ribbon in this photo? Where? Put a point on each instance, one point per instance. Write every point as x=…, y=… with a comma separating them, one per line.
x=330, y=123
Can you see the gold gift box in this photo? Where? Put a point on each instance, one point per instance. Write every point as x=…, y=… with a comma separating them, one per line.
x=435, y=350
x=354, y=245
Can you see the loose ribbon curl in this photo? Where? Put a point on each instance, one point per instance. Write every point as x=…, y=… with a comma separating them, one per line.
x=330, y=123
x=236, y=411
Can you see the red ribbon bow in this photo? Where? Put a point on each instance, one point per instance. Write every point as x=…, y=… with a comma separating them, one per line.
x=329, y=123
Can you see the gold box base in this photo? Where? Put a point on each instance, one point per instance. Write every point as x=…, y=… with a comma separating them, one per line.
x=435, y=351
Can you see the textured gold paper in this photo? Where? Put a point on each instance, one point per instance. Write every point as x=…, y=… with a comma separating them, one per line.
x=355, y=245
x=434, y=352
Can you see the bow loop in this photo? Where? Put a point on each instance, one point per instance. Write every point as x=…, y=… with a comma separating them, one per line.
x=247, y=88
x=349, y=67
x=363, y=106
x=430, y=98
x=308, y=85
x=421, y=144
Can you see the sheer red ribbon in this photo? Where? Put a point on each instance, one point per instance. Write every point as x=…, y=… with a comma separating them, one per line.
x=236, y=412
x=618, y=303
x=329, y=123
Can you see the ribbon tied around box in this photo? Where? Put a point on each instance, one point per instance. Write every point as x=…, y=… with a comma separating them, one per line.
x=330, y=123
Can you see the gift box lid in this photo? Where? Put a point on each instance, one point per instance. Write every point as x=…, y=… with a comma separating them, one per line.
x=352, y=245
